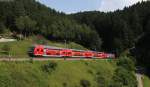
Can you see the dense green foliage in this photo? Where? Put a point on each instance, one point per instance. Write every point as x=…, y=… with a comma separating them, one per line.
x=124, y=74
x=115, y=31
x=142, y=50
x=126, y=63
x=25, y=25
x=65, y=73
x=28, y=17
x=124, y=78
x=120, y=29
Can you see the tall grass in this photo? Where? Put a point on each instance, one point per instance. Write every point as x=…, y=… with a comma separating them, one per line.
x=66, y=73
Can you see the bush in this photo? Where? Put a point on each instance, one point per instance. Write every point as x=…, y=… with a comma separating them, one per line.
x=64, y=84
x=49, y=67
x=86, y=63
x=85, y=83
x=124, y=77
x=90, y=72
x=101, y=81
x=126, y=63
x=116, y=84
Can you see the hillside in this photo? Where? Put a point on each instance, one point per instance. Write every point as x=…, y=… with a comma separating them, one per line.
x=20, y=48
x=119, y=30
x=122, y=29
x=146, y=81
x=113, y=32
x=65, y=74
x=29, y=17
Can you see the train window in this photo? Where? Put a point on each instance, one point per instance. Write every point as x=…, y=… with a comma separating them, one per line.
x=49, y=53
x=37, y=50
x=31, y=48
x=41, y=50
x=69, y=53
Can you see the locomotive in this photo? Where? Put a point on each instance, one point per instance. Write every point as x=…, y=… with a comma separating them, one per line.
x=50, y=51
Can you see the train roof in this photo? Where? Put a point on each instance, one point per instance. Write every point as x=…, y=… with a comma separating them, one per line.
x=58, y=48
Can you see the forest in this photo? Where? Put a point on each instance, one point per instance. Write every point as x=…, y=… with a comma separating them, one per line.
x=114, y=32
x=127, y=29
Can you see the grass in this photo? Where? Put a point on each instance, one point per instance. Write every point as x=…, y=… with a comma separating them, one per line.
x=20, y=48
x=66, y=74
x=146, y=81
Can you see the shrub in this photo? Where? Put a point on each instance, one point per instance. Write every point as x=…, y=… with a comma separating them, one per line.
x=116, y=84
x=126, y=63
x=64, y=84
x=124, y=77
x=85, y=83
x=102, y=80
x=90, y=71
x=49, y=67
x=86, y=63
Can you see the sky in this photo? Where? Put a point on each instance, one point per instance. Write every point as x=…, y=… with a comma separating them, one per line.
x=73, y=6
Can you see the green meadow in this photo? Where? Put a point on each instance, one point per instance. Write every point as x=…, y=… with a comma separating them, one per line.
x=65, y=74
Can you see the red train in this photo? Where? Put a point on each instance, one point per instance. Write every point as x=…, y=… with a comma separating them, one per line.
x=49, y=51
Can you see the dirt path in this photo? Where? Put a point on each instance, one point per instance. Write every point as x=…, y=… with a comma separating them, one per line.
x=7, y=40
x=139, y=80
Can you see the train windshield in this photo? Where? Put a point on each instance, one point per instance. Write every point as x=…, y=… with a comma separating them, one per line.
x=31, y=49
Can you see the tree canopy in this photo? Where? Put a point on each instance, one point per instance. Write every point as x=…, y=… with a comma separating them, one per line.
x=28, y=17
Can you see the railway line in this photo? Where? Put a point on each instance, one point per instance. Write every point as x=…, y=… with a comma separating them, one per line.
x=46, y=53
x=47, y=59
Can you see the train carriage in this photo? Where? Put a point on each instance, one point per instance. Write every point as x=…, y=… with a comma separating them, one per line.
x=49, y=51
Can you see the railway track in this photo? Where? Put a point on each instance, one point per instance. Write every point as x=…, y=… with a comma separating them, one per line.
x=47, y=59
